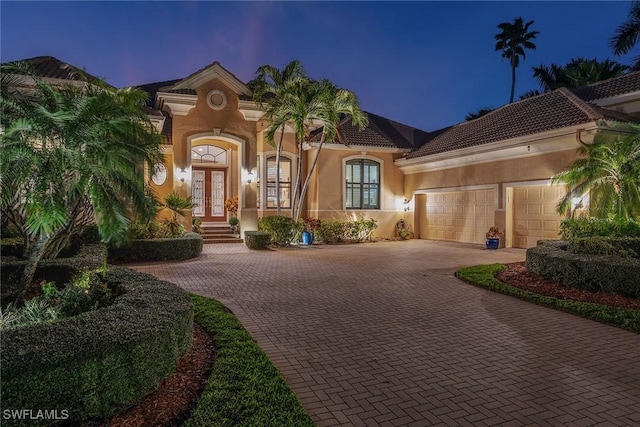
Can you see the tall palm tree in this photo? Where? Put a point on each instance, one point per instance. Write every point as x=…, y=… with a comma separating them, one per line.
x=69, y=156
x=341, y=105
x=610, y=172
x=511, y=42
x=268, y=87
x=626, y=35
x=577, y=72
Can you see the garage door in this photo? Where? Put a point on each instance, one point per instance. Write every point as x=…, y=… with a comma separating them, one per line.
x=534, y=214
x=460, y=216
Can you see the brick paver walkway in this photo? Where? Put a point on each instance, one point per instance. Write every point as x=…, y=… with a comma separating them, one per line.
x=383, y=334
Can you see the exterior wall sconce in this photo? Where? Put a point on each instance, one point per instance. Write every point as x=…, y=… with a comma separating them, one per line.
x=183, y=173
x=249, y=177
x=406, y=205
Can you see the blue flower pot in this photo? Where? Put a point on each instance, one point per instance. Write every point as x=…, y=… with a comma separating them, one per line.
x=307, y=238
x=492, y=243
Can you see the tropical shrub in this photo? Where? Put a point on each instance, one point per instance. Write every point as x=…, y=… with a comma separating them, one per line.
x=354, y=231
x=71, y=156
x=257, y=239
x=177, y=205
x=599, y=227
x=283, y=229
x=100, y=361
x=617, y=246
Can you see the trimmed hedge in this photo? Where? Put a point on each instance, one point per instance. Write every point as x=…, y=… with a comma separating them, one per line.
x=257, y=239
x=484, y=277
x=100, y=361
x=187, y=246
x=59, y=270
x=353, y=231
x=605, y=273
x=599, y=227
x=618, y=246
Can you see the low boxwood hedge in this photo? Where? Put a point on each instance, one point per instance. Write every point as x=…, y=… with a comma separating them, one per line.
x=257, y=239
x=100, y=361
x=178, y=248
x=593, y=272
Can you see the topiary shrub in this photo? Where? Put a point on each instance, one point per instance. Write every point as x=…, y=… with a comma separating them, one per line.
x=96, y=363
x=283, y=230
x=604, y=273
x=179, y=248
x=257, y=239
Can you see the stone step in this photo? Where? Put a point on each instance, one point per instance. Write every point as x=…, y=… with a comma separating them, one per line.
x=222, y=240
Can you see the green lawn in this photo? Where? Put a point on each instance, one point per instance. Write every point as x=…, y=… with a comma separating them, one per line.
x=484, y=276
x=244, y=389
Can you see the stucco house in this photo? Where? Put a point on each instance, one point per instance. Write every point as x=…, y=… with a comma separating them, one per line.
x=450, y=184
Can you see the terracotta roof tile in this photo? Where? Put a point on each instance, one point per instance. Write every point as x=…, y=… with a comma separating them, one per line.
x=553, y=110
x=53, y=68
x=611, y=87
x=380, y=132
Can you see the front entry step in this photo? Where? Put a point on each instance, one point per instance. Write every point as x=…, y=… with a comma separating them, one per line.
x=219, y=233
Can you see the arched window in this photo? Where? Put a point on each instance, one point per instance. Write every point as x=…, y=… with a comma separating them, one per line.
x=363, y=184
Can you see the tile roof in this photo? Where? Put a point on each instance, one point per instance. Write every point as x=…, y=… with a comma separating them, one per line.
x=611, y=87
x=381, y=133
x=53, y=68
x=153, y=88
x=553, y=110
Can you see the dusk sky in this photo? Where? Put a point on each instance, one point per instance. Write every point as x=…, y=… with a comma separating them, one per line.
x=425, y=64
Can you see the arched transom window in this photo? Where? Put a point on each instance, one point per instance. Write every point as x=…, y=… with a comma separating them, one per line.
x=362, y=189
x=208, y=154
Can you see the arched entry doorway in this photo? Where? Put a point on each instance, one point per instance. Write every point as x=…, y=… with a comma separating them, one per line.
x=210, y=163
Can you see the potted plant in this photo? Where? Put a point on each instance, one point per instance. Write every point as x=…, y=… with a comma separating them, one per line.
x=310, y=226
x=493, y=238
x=233, y=222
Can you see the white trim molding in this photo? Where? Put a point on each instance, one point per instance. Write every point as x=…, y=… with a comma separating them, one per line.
x=178, y=104
x=525, y=146
x=353, y=147
x=250, y=110
x=215, y=70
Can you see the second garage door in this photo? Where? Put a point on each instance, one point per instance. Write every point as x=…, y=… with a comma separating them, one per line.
x=534, y=214
x=459, y=216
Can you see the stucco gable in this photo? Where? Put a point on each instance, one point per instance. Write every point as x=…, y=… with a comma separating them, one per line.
x=211, y=71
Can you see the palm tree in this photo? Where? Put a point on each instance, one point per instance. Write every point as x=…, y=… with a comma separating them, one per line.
x=70, y=156
x=268, y=87
x=577, y=72
x=610, y=172
x=512, y=41
x=478, y=113
x=626, y=35
x=341, y=105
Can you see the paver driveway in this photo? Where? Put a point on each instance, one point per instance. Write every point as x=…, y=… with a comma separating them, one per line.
x=384, y=334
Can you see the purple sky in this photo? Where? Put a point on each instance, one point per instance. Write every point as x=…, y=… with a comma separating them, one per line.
x=425, y=63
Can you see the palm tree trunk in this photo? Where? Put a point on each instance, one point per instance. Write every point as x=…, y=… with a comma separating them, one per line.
x=278, y=151
x=36, y=255
x=303, y=193
x=513, y=82
x=296, y=188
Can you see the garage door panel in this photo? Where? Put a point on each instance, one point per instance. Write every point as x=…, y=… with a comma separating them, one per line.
x=534, y=214
x=461, y=216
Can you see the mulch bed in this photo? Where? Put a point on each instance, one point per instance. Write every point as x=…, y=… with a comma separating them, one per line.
x=517, y=275
x=173, y=401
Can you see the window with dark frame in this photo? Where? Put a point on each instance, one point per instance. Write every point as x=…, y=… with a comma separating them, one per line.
x=362, y=184
x=285, y=183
